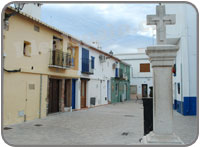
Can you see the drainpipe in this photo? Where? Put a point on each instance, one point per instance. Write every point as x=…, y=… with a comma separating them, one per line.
x=181, y=90
x=40, y=103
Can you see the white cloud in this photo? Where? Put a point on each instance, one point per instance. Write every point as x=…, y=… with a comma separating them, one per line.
x=112, y=25
x=146, y=30
x=116, y=48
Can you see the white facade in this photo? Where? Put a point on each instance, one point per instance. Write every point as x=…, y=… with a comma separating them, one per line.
x=185, y=29
x=99, y=83
x=136, y=77
x=33, y=9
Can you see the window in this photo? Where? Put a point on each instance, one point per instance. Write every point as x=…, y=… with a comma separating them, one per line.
x=116, y=72
x=71, y=54
x=27, y=49
x=57, y=43
x=179, y=88
x=36, y=28
x=144, y=67
x=92, y=62
x=85, y=60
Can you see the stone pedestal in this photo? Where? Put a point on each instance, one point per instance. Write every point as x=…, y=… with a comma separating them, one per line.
x=162, y=59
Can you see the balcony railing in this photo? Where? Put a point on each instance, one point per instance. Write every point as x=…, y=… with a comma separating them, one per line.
x=120, y=74
x=60, y=59
x=87, y=66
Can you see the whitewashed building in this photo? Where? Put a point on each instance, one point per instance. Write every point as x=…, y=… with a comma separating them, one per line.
x=95, y=70
x=141, y=73
x=185, y=78
x=33, y=9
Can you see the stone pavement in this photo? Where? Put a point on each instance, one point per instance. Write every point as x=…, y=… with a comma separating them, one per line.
x=120, y=123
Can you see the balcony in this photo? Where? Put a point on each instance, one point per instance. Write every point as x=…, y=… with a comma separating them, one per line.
x=60, y=59
x=87, y=66
x=120, y=74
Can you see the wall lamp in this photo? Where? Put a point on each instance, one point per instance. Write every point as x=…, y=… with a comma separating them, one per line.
x=18, y=7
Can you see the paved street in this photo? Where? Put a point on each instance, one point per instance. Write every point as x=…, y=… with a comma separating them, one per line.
x=120, y=123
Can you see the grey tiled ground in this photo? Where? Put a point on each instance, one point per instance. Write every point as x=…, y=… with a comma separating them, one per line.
x=99, y=125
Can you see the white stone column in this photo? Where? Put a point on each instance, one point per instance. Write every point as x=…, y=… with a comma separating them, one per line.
x=162, y=59
x=162, y=101
x=78, y=94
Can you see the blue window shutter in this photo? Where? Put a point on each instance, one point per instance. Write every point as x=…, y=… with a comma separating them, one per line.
x=92, y=66
x=116, y=72
x=85, y=60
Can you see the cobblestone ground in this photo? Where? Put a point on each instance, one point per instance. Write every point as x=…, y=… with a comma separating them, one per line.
x=120, y=123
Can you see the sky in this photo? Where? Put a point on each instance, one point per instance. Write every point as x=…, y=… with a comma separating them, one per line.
x=118, y=27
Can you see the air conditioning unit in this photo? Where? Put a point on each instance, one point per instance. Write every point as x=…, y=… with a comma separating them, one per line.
x=102, y=58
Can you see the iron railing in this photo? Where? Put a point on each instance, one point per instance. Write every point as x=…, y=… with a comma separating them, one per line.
x=60, y=59
x=120, y=74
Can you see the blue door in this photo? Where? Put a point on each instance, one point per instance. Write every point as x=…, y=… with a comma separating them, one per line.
x=73, y=93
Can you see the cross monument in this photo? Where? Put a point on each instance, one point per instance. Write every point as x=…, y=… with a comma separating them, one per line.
x=162, y=58
x=161, y=20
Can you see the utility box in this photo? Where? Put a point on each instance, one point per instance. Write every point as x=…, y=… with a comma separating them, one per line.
x=148, y=115
x=92, y=101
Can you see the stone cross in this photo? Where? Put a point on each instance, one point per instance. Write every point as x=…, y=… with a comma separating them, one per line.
x=162, y=58
x=161, y=20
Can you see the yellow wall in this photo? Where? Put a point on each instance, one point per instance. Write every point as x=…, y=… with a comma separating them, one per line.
x=21, y=29
x=19, y=97
x=16, y=85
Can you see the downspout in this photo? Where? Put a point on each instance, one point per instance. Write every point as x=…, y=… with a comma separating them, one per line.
x=40, y=102
x=181, y=90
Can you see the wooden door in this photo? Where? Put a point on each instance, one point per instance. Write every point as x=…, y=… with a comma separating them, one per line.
x=53, y=105
x=68, y=92
x=32, y=103
x=144, y=90
x=83, y=93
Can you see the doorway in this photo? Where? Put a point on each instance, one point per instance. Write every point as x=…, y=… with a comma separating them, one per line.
x=31, y=103
x=125, y=89
x=144, y=90
x=67, y=96
x=54, y=86
x=83, y=93
x=108, y=90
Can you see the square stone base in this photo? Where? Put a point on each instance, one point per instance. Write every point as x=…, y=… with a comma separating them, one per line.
x=153, y=138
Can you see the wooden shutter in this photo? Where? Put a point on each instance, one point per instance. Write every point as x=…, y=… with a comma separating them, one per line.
x=145, y=67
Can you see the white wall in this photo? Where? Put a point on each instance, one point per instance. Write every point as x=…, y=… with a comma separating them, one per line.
x=186, y=60
x=136, y=77
x=140, y=81
x=32, y=9
x=97, y=85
